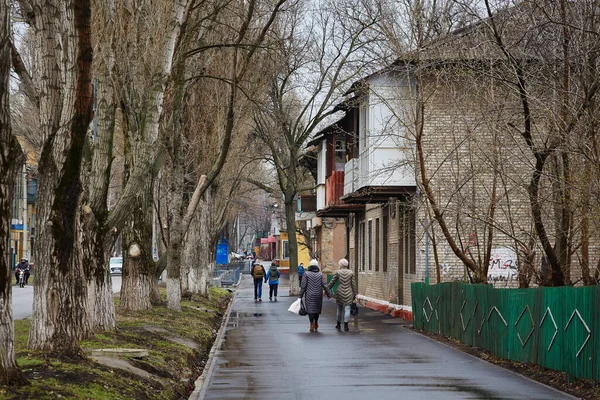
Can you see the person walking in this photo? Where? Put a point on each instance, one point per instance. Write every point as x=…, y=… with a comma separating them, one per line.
x=258, y=273
x=311, y=289
x=345, y=294
x=300, y=273
x=272, y=277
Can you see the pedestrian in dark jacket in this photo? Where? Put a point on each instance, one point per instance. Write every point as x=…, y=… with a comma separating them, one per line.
x=345, y=294
x=273, y=279
x=22, y=266
x=312, y=288
x=258, y=273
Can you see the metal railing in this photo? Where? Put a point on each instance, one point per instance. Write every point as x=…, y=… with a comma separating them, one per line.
x=225, y=276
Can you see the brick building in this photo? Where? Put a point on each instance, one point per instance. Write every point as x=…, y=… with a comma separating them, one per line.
x=456, y=97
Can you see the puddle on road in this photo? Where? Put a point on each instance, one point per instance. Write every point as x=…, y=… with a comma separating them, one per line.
x=236, y=314
x=233, y=364
x=236, y=317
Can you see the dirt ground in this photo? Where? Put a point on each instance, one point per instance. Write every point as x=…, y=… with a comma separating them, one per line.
x=582, y=388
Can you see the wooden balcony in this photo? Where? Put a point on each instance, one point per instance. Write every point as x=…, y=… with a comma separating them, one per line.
x=334, y=188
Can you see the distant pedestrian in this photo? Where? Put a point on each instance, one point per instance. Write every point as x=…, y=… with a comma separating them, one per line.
x=312, y=288
x=345, y=294
x=272, y=277
x=258, y=273
x=300, y=273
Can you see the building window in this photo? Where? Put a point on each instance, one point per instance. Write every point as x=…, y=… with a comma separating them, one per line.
x=408, y=248
x=384, y=236
x=362, y=246
x=340, y=154
x=363, y=124
x=285, y=252
x=377, y=234
x=370, y=245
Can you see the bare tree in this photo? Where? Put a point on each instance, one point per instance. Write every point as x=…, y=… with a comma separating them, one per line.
x=240, y=64
x=320, y=51
x=567, y=80
x=504, y=57
x=64, y=94
x=11, y=160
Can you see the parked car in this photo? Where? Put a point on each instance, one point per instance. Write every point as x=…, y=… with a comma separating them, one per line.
x=116, y=265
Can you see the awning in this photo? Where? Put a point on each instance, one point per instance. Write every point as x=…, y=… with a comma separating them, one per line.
x=379, y=194
x=272, y=239
x=340, y=210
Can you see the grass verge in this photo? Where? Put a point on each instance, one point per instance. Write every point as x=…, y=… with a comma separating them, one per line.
x=178, y=344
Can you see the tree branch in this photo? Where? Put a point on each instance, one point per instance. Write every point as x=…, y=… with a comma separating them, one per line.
x=19, y=67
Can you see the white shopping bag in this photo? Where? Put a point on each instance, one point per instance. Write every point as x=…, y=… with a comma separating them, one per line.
x=295, y=307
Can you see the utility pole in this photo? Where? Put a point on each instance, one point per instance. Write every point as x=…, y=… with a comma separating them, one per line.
x=26, y=252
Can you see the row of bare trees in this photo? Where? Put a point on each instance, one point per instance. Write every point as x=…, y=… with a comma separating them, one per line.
x=173, y=107
x=505, y=124
x=149, y=101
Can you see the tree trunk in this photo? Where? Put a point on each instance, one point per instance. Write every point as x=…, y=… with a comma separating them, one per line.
x=439, y=216
x=290, y=220
x=138, y=264
x=11, y=159
x=60, y=316
x=556, y=275
x=97, y=236
x=175, y=210
x=196, y=261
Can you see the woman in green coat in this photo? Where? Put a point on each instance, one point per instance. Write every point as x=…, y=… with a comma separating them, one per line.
x=345, y=294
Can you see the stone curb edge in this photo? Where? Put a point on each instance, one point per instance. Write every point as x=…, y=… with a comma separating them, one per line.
x=200, y=385
x=386, y=309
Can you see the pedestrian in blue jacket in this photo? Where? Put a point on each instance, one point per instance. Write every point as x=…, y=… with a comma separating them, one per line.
x=273, y=278
x=300, y=273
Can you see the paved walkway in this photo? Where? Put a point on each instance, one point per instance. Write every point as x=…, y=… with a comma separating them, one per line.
x=268, y=353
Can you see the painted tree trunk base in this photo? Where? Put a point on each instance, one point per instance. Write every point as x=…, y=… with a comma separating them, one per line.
x=294, y=285
x=197, y=281
x=173, y=294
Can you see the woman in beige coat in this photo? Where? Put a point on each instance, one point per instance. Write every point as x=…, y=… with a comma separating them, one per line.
x=345, y=294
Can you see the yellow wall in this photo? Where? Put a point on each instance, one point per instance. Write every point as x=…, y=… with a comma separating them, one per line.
x=303, y=255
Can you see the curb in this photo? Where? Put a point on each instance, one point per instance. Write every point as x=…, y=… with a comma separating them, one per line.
x=387, y=309
x=200, y=385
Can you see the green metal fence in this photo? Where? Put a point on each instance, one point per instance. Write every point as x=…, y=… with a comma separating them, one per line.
x=556, y=328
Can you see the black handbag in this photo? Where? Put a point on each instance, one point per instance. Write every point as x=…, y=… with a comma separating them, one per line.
x=354, y=309
x=302, y=309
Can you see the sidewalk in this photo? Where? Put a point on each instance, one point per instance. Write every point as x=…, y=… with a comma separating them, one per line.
x=268, y=353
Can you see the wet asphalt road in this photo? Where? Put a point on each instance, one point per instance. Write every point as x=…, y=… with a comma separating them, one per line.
x=268, y=353
x=22, y=298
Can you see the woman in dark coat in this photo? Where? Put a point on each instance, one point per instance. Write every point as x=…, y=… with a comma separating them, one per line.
x=312, y=288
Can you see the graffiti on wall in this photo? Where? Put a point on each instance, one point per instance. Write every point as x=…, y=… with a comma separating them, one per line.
x=503, y=265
